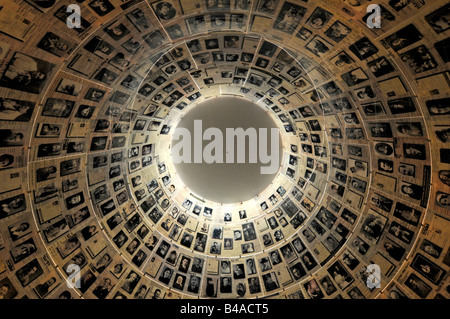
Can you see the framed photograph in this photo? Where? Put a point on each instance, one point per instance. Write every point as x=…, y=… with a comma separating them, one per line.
x=47, y=285
x=380, y=130
x=270, y=281
x=418, y=286
x=99, y=47
x=428, y=269
x=360, y=246
x=62, y=14
x=401, y=232
x=394, y=250
x=289, y=17
x=382, y=202
x=12, y=291
x=26, y=73
x=29, y=272
x=327, y=285
x=16, y=110
x=74, y=200
x=15, y=24
x=267, y=6
x=414, y=151
x=139, y=20
x=155, y=39
x=45, y=193
x=11, y=138
x=404, y=37
x=419, y=59
x=373, y=226
x=58, y=108
x=430, y=248
x=413, y=191
x=380, y=67
x=373, y=109
x=12, y=205
x=341, y=60
x=437, y=19
x=131, y=46
x=319, y=18
x=54, y=44
x=70, y=87
x=318, y=46
x=363, y=48
x=106, y=76
x=438, y=107
x=340, y=275
x=384, y=148
x=238, y=22
x=195, y=25
x=338, y=31
x=354, y=77
x=116, y=31
x=165, y=10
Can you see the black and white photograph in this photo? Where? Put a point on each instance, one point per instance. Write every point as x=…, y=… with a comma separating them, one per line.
x=165, y=10
x=319, y=18
x=26, y=73
x=12, y=205
x=289, y=17
x=404, y=37
x=54, y=44
x=363, y=48
x=101, y=7
x=337, y=31
x=29, y=272
x=58, y=108
x=354, y=77
x=418, y=286
x=318, y=46
x=419, y=59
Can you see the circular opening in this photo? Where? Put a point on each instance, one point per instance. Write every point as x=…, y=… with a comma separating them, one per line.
x=227, y=149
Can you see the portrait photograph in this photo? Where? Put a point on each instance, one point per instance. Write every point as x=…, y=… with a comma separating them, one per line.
x=373, y=226
x=16, y=110
x=318, y=46
x=289, y=17
x=54, y=44
x=11, y=138
x=419, y=59
x=337, y=31
x=29, y=272
x=12, y=205
x=363, y=48
x=44, y=193
x=438, y=19
x=58, y=108
x=417, y=285
x=139, y=19
x=26, y=73
x=340, y=275
x=9, y=291
x=404, y=37
x=319, y=18
x=165, y=10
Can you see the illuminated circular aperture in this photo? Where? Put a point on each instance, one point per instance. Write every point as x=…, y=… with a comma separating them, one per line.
x=229, y=181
